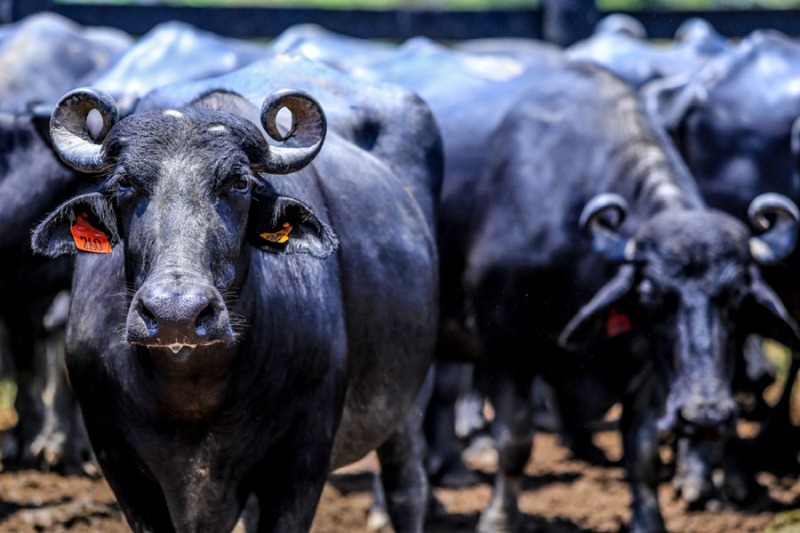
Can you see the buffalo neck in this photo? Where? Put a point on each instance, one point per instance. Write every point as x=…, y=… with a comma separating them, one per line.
x=654, y=177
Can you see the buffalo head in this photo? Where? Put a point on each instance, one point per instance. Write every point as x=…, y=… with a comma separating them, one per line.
x=185, y=195
x=690, y=282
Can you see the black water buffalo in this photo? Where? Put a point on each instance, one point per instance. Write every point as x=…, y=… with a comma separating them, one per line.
x=649, y=309
x=736, y=124
x=379, y=118
x=620, y=45
x=247, y=332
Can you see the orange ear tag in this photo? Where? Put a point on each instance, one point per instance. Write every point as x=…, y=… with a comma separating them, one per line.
x=280, y=236
x=88, y=238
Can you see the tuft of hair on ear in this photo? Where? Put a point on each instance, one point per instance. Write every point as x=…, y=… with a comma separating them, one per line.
x=44, y=237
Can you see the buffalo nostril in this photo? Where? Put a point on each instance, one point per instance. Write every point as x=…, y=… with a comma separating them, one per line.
x=206, y=320
x=148, y=318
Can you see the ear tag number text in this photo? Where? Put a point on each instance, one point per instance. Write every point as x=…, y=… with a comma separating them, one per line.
x=88, y=238
x=281, y=236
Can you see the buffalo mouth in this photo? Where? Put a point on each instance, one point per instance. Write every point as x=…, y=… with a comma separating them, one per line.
x=704, y=432
x=710, y=420
x=177, y=347
x=178, y=351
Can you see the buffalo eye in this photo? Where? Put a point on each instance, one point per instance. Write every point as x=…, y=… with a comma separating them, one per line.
x=124, y=184
x=240, y=184
x=733, y=295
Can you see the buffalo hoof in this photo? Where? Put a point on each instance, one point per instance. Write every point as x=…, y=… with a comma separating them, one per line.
x=377, y=518
x=694, y=491
x=481, y=454
x=435, y=508
x=648, y=524
x=9, y=450
x=459, y=478
x=54, y=452
x=453, y=474
x=742, y=489
x=47, y=451
x=592, y=454
x=496, y=520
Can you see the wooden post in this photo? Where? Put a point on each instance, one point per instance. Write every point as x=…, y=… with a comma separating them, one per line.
x=566, y=21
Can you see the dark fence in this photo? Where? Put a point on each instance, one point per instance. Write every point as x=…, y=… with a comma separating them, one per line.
x=253, y=22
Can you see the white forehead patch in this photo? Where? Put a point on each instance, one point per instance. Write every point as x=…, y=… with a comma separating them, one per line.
x=220, y=128
x=173, y=113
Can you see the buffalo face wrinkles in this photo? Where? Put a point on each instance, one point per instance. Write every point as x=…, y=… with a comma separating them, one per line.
x=177, y=197
x=694, y=276
x=177, y=261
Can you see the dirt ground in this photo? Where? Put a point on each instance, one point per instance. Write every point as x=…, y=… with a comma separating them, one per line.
x=561, y=496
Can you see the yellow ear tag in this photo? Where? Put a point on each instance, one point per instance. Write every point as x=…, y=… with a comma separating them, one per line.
x=280, y=236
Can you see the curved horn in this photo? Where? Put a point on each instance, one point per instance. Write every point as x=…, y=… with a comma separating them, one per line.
x=303, y=141
x=605, y=239
x=70, y=132
x=780, y=233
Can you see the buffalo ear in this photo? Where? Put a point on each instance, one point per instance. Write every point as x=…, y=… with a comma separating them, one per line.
x=54, y=236
x=589, y=321
x=282, y=225
x=767, y=315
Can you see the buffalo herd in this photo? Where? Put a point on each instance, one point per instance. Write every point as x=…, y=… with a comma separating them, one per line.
x=231, y=267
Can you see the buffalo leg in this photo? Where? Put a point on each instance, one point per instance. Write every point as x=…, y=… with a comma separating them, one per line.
x=140, y=497
x=739, y=483
x=29, y=370
x=508, y=390
x=694, y=463
x=573, y=414
x=405, y=482
x=641, y=460
x=445, y=466
x=289, y=485
x=62, y=441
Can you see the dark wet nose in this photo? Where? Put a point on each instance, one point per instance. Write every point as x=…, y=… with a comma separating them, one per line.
x=163, y=314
